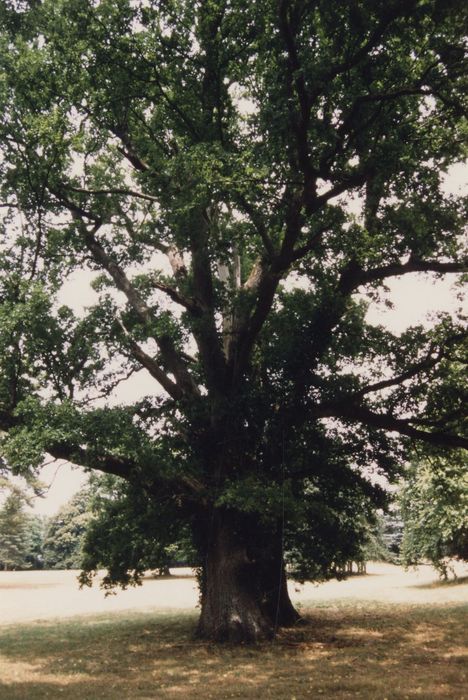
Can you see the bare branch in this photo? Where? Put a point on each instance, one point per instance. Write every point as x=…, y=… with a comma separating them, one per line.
x=90, y=399
x=253, y=280
x=109, y=464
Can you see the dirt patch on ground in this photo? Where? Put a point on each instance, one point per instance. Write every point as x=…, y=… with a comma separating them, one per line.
x=27, y=596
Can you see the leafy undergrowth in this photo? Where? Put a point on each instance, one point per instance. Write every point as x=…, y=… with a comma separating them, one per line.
x=360, y=650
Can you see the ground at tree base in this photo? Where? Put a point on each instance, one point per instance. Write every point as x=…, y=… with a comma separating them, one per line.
x=355, y=645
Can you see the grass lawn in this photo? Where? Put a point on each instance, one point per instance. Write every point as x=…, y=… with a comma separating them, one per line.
x=349, y=649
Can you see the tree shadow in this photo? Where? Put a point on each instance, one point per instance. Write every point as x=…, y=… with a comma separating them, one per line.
x=441, y=583
x=169, y=577
x=344, y=651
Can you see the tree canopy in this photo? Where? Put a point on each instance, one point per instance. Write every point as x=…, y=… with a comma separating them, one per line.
x=240, y=180
x=434, y=505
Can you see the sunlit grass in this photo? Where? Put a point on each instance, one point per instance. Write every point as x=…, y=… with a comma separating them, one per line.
x=363, y=650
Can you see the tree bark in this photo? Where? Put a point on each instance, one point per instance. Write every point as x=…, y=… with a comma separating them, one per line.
x=277, y=602
x=274, y=581
x=244, y=595
x=231, y=609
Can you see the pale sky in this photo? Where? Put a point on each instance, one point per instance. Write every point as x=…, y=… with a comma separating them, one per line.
x=414, y=298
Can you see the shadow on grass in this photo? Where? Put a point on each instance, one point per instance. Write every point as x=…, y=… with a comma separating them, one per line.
x=345, y=651
x=442, y=583
x=169, y=577
x=357, y=574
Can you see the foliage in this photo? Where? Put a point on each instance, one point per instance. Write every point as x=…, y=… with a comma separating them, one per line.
x=34, y=558
x=65, y=531
x=240, y=181
x=392, y=531
x=383, y=539
x=21, y=533
x=434, y=506
x=13, y=533
x=128, y=534
x=334, y=525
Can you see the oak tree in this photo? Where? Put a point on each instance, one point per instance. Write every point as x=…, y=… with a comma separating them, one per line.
x=240, y=180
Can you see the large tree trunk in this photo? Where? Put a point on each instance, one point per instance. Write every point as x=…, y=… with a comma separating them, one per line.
x=276, y=600
x=244, y=596
x=231, y=609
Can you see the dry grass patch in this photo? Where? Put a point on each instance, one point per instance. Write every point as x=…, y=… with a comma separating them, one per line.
x=346, y=651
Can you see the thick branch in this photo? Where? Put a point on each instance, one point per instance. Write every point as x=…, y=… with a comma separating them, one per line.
x=353, y=180
x=258, y=223
x=268, y=280
x=176, y=261
x=353, y=411
x=152, y=366
x=129, y=152
x=204, y=327
x=169, y=353
x=264, y=280
x=78, y=212
x=308, y=247
x=118, y=275
x=126, y=469
x=327, y=317
x=109, y=464
x=413, y=265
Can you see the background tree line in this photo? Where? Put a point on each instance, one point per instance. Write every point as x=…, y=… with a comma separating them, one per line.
x=30, y=541
x=66, y=539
